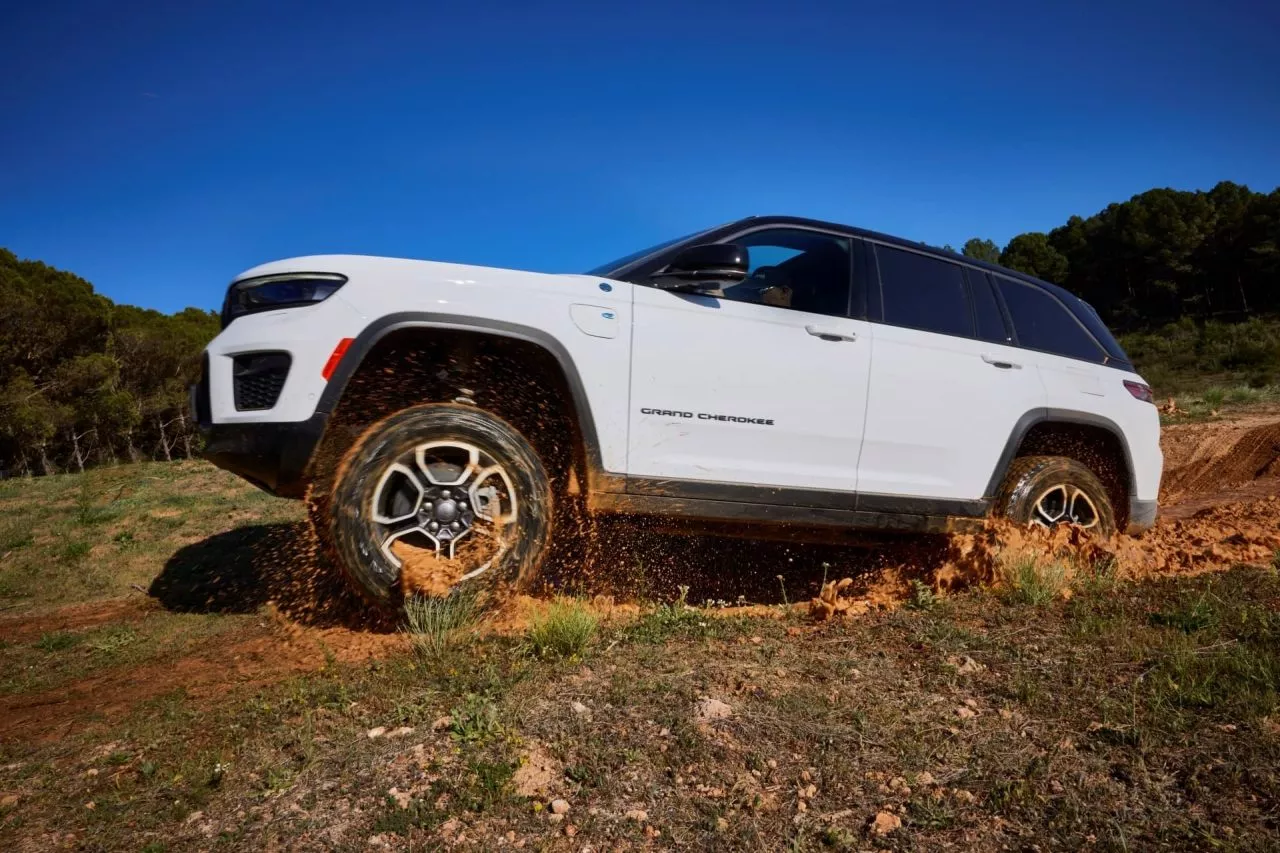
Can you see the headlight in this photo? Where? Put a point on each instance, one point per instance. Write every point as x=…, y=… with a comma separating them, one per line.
x=272, y=292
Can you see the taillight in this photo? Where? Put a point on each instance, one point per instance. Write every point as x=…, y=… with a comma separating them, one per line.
x=338, y=352
x=1140, y=391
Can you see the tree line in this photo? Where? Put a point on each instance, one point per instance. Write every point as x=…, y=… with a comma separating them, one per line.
x=84, y=381
x=1161, y=256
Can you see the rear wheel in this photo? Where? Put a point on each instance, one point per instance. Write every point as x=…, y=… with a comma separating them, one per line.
x=436, y=498
x=1053, y=490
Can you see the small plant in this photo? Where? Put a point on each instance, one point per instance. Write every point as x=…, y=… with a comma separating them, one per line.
x=563, y=630
x=1034, y=581
x=114, y=639
x=1188, y=619
x=433, y=623
x=124, y=538
x=58, y=641
x=1214, y=398
x=922, y=596
x=75, y=550
x=475, y=720
x=88, y=512
x=783, y=586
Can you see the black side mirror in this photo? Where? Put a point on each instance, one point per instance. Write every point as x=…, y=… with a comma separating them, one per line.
x=704, y=267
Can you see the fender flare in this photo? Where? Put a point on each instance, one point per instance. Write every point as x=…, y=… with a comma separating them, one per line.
x=1061, y=416
x=383, y=326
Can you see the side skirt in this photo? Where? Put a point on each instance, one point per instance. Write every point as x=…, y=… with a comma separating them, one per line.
x=778, y=515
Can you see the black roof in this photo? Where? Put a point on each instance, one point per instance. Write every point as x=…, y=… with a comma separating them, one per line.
x=889, y=239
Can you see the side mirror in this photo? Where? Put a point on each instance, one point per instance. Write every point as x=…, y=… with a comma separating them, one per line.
x=705, y=267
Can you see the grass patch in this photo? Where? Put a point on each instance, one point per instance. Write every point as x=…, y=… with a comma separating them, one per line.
x=563, y=630
x=1187, y=618
x=1034, y=580
x=15, y=538
x=59, y=641
x=434, y=623
x=73, y=551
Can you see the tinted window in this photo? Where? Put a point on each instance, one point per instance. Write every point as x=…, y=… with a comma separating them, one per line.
x=1086, y=314
x=794, y=268
x=921, y=292
x=1042, y=323
x=986, y=313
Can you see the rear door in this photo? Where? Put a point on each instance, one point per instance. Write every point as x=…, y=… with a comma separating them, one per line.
x=765, y=385
x=1067, y=355
x=946, y=387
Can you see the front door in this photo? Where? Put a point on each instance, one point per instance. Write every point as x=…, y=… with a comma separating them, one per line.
x=764, y=385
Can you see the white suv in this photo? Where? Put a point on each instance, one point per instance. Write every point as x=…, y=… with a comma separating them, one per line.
x=778, y=372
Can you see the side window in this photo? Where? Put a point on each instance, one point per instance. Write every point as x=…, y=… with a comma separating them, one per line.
x=797, y=269
x=1042, y=323
x=922, y=292
x=986, y=313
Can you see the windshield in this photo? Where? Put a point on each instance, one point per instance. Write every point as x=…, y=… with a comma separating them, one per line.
x=614, y=266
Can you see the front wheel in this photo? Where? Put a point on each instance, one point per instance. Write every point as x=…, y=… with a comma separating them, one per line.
x=1049, y=491
x=436, y=498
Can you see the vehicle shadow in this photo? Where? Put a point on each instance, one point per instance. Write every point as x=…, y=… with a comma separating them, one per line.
x=242, y=570
x=634, y=559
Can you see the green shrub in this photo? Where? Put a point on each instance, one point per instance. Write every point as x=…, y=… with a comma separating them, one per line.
x=433, y=622
x=1033, y=580
x=563, y=630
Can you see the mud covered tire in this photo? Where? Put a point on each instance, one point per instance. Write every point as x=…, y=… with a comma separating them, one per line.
x=347, y=528
x=1031, y=478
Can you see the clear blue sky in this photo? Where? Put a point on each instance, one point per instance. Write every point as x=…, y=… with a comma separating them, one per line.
x=158, y=148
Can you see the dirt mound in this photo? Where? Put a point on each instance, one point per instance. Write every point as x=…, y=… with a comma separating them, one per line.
x=1218, y=456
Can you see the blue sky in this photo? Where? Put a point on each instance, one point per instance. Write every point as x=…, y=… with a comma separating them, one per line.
x=159, y=148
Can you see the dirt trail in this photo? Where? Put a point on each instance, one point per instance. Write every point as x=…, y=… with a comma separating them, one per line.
x=257, y=655
x=76, y=617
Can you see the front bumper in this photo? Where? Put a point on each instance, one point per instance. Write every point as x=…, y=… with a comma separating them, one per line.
x=1142, y=515
x=272, y=456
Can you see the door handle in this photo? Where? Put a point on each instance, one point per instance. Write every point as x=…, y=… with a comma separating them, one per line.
x=830, y=334
x=1003, y=364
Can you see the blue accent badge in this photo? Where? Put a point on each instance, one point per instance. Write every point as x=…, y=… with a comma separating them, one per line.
x=606, y=287
x=608, y=315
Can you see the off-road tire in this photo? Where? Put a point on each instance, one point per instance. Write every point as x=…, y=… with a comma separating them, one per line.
x=343, y=516
x=1031, y=477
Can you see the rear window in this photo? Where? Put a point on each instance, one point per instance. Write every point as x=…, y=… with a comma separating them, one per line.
x=986, y=313
x=1042, y=323
x=1087, y=315
x=922, y=292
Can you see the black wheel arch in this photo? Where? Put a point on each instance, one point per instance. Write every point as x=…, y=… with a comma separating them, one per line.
x=372, y=334
x=1066, y=417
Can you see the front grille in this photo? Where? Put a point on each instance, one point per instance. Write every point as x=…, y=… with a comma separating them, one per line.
x=257, y=379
